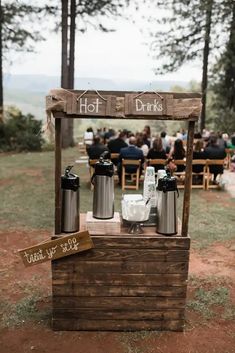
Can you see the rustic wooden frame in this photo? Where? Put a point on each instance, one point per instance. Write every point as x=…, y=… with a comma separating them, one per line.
x=186, y=107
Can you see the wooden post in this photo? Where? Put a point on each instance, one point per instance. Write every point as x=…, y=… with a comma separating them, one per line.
x=188, y=179
x=57, y=176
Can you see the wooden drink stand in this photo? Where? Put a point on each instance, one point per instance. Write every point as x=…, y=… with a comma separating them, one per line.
x=126, y=282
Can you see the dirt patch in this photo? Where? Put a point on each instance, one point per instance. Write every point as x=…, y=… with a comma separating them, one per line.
x=200, y=336
x=14, y=276
x=219, y=259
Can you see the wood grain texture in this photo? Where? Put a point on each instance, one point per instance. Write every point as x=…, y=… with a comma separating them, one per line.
x=117, y=325
x=124, y=283
x=119, y=303
x=121, y=279
x=88, y=314
x=70, y=289
x=141, y=242
x=58, y=140
x=55, y=249
x=89, y=104
x=119, y=267
x=135, y=255
x=188, y=179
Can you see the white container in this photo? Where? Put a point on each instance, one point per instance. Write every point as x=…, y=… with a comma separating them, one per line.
x=150, y=187
x=135, y=211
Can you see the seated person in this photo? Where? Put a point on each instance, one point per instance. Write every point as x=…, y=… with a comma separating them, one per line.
x=178, y=153
x=115, y=145
x=213, y=151
x=157, y=152
x=198, y=153
x=142, y=145
x=88, y=137
x=96, y=149
x=130, y=152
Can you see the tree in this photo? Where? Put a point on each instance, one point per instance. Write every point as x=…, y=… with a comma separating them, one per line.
x=188, y=36
x=223, y=103
x=86, y=13
x=15, y=32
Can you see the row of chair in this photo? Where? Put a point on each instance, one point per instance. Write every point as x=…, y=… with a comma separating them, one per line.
x=203, y=180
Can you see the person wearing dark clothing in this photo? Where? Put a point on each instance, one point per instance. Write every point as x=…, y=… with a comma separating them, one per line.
x=198, y=153
x=130, y=152
x=213, y=151
x=178, y=153
x=115, y=145
x=96, y=149
x=157, y=152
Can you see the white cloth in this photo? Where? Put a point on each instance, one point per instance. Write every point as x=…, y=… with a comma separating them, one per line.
x=88, y=137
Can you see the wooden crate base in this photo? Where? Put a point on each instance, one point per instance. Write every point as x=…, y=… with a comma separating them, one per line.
x=126, y=283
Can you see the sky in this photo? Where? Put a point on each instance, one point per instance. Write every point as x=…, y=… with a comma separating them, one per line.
x=122, y=54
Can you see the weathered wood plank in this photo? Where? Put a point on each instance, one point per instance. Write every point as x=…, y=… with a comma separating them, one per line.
x=55, y=249
x=118, y=291
x=141, y=242
x=135, y=255
x=117, y=325
x=120, y=279
x=119, y=303
x=178, y=95
x=120, y=267
x=58, y=140
x=59, y=115
x=136, y=105
x=101, y=314
x=185, y=107
x=188, y=180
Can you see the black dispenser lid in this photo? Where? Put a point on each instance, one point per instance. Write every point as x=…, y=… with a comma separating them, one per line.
x=167, y=183
x=69, y=180
x=104, y=166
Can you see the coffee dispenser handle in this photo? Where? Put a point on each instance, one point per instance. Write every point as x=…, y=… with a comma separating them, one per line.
x=92, y=178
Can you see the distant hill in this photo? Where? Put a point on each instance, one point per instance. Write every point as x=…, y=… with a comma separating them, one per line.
x=28, y=91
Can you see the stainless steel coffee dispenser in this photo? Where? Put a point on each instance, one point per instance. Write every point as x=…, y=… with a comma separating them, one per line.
x=70, y=201
x=103, y=181
x=167, y=194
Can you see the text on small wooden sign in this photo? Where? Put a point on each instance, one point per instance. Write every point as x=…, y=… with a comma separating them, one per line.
x=54, y=249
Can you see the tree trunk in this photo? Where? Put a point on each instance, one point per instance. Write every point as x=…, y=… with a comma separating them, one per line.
x=1, y=72
x=71, y=59
x=67, y=124
x=230, y=66
x=72, y=42
x=206, y=51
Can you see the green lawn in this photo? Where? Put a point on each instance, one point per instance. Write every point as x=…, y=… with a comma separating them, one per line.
x=27, y=198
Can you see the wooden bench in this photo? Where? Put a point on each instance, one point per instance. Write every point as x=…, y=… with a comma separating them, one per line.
x=154, y=162
x=180, y=175
x=203, y=174
x=209, y=175
x=135, y=177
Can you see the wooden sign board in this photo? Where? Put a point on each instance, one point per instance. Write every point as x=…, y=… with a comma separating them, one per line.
x=90, y=105
x=54, y=249
x=149, y=104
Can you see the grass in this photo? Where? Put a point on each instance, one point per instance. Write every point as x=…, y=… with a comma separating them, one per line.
x=24, y=310
x=206, y=299
x=129, y=341
x=211, y=294
x=27, y=198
